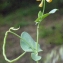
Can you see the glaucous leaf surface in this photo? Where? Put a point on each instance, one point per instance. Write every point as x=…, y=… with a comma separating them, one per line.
x=28, y=44
x=35, y=57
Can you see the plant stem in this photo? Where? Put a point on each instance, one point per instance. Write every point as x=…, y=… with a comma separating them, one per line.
x=4, y=44
x=37, y=37
x=38, y=27
x=15, y=34
x=43, y=6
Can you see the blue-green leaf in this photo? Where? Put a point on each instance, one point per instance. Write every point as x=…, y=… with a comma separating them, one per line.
x=35, y=57
x=27, y=43
x=53, y=11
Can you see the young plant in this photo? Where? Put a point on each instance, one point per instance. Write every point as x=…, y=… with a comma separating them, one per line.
x=26, y=42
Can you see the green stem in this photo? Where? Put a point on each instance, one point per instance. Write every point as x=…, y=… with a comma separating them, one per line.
x=37, y=37
x=38, y=27
x=15, y=34
x=43, y=6
x=4, y=51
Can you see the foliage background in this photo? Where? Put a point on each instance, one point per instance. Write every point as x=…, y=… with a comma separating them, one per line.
x=7, y=6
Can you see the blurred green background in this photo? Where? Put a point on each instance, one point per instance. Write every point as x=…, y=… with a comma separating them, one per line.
x=23, y=13
x=10, y=9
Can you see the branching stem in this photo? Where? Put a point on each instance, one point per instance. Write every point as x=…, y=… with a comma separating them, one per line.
x=38, y=26
x=4, y=44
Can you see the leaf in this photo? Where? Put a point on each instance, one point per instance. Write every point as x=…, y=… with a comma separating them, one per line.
x=41, y=17
x=39, y=49
x=45, y=15
x=27, y=43
x=39, y=14
x=53, y=11
x=35, y=57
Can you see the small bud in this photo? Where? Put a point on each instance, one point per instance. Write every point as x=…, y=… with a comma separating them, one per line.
x=49, y=1
x=41, y=4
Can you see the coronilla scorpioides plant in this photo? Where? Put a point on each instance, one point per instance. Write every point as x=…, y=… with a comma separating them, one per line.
x=26, y=41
